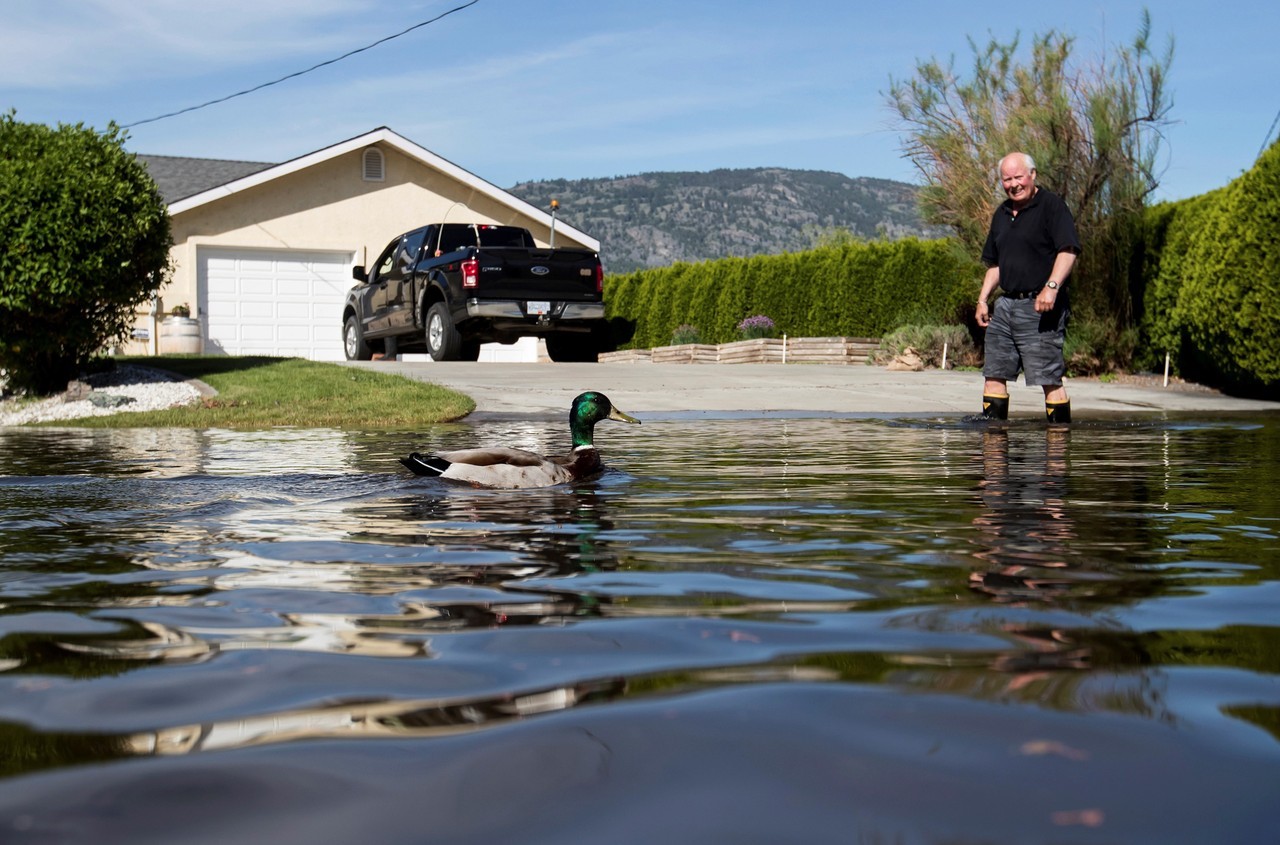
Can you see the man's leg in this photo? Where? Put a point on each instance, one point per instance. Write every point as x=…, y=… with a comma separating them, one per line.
x=1045, y=364
x=1057, y=406
x=995, y=399
x=1002, y=362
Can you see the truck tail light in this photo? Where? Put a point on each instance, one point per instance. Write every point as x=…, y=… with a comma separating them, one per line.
x=599, y=278
x=470, y=273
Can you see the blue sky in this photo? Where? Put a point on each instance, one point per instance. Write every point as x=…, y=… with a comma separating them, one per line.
x=514, y=90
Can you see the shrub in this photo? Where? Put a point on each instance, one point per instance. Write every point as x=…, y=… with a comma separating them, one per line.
x=1228, y=306
x=929, y=342
x=685, y=334
x=86, y=241
x=1094, y=346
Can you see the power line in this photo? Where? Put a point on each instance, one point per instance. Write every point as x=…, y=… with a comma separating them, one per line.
x=301, y=72
x=1267, y=139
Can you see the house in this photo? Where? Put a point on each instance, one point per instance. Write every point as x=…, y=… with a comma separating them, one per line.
x=263, y=253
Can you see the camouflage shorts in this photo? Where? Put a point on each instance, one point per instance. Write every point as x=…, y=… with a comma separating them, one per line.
x=1020, y=339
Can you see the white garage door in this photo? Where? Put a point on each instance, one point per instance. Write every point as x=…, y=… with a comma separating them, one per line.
x=273, y=302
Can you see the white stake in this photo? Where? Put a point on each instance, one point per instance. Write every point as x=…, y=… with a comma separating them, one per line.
x=1166, y=369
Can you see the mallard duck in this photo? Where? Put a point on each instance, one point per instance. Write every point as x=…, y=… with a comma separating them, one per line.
x=515, y=468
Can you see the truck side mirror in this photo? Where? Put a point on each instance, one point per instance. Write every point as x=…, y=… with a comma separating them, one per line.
x=359, y=273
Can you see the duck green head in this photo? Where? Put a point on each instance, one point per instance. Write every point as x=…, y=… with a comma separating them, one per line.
x=588, y=409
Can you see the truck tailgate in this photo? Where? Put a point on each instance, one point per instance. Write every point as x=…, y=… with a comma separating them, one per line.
x=557, y=274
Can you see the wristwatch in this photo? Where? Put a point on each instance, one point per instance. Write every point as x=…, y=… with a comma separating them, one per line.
x=1051, y=285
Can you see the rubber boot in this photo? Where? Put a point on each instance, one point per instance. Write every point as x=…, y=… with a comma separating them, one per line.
x=1058, y=412
x=995, y=407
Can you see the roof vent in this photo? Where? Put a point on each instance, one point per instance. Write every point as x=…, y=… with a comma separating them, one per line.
x=372, y=165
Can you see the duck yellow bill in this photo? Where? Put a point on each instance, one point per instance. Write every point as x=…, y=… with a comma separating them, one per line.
x=615, y=414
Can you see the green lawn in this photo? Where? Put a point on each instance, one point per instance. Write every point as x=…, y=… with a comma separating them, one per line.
x=255, y=392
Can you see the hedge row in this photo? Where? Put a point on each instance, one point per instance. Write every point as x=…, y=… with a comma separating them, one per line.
x=851, y=289
x=1212, y=282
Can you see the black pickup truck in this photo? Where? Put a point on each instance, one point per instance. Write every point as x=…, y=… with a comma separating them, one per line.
x=451, y=287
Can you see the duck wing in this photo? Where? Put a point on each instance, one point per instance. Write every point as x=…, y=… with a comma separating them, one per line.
x=492, y=456
x=497, y=467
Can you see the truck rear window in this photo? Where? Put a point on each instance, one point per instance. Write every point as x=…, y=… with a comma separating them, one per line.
x=504, y=236
x=455, y=236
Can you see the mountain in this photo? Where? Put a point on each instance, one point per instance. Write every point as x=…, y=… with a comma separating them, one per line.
x=657, y=219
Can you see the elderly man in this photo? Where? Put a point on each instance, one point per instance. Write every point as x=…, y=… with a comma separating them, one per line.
x=1030, y=250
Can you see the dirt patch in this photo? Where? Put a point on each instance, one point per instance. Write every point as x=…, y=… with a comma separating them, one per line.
x=1151, y=380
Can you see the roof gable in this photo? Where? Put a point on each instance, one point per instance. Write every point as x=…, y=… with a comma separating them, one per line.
x=214, y=180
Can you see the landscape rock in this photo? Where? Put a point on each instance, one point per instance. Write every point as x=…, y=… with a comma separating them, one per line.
x=109, y=400
x=77, y=391
x=907, y=360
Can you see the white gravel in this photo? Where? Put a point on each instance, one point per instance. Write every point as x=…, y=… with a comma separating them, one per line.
x=150, y=390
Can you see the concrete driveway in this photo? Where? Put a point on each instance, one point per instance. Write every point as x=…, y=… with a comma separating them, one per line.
x=666, y=390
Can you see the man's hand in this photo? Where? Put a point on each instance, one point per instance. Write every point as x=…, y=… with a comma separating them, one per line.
x=1045, y=300
x=983, y=314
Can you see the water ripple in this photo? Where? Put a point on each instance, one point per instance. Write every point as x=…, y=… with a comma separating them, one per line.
x=1110, y=589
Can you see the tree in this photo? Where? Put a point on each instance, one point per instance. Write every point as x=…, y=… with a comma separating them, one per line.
x=86, y=241
x=1093, y=130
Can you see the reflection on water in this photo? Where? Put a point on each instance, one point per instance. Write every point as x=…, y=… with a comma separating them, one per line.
x=817, y=629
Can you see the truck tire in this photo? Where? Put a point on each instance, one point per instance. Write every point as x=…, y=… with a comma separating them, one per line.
x=444, y=343
x=353, y=344
x=570, y=348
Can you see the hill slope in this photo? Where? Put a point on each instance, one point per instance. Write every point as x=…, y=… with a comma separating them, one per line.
x=657, y=219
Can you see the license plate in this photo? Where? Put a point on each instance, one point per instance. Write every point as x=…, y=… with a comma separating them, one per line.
x=537, y=308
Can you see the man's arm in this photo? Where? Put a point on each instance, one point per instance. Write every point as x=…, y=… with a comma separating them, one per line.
x=989, y=283
x=1062, y=264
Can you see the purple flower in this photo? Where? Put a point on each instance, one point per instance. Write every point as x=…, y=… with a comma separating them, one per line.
x=756, y=327
x=758, y=322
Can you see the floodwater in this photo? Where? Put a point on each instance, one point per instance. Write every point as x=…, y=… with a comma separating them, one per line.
x=747, y=631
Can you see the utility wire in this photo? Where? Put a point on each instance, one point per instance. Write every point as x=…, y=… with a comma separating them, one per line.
x=1267, y=139
x=301, y=72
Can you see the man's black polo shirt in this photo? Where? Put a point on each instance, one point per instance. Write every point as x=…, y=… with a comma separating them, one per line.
x=1024, y=247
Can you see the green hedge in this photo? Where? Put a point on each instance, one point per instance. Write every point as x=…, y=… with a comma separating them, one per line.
x=1212, y=282
x=852, y=289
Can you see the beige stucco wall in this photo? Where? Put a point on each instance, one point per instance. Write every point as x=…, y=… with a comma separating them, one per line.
x=328, y=207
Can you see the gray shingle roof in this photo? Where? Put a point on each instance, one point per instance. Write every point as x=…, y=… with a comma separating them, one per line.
x=179, y=178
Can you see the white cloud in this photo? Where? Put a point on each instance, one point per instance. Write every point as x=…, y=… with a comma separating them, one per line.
x=58, y=44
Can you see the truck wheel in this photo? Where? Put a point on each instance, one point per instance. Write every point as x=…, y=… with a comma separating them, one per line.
x=353, y=341
x=444, y=343
x=568, y=348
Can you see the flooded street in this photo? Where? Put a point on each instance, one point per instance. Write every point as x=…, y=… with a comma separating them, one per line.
x=750, y=629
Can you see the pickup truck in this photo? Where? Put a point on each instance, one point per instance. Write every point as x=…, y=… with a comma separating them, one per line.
x=453, y=286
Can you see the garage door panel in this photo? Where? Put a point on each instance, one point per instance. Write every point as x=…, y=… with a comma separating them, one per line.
x=264, y=310
x=222, y=286
x=299, y=288
x=274, y=302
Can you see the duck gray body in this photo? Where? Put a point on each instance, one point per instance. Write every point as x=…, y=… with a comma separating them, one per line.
x=506, y=468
